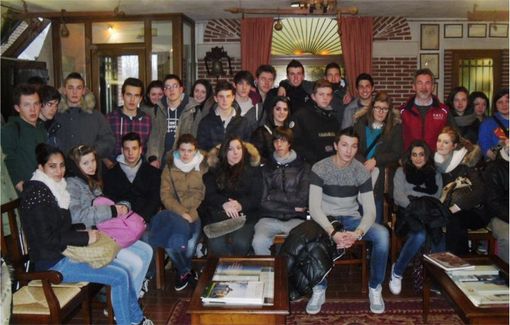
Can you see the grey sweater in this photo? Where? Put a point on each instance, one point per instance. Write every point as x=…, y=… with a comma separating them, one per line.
x=402, y=189
x=336, y=191
x=81, y=208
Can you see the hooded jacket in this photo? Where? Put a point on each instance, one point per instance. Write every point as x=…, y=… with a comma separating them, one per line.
x=247, y=192
x=496, y=179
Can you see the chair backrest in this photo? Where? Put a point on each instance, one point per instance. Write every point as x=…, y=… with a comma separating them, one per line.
x=14, y=249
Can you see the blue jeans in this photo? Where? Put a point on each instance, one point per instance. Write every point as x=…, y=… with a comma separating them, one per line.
x=124, y=298
x=379, y=210
x=182, y=255
x=414, y=242
x=380, y=239
x=136, y=260
x=267, y=228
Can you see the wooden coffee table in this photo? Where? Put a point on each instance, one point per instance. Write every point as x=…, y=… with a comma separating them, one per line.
x=240, y=315
x=462, y=305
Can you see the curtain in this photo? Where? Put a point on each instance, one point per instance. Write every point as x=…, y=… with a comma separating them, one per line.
x=356, y=37
x=256, y=35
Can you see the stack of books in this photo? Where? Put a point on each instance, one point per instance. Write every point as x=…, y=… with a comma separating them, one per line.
x=238, y=283
x=448, y=261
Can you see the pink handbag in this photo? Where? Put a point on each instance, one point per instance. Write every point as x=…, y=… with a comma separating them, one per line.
x=124, y=229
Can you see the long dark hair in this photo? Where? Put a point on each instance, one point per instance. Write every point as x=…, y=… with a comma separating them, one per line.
x=152, y=84
x=451, y=98
x=270, y=113
x=390, y=121
x=407, y=163
x=208, y=88
x=75, y=154
x=228, y=176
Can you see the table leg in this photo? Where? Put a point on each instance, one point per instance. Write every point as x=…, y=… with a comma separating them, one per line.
x=426, y=295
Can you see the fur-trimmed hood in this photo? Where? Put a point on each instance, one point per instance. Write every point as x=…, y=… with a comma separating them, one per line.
x=213, y=159
x=88, y=103
x=363, y=113
x=469, y=157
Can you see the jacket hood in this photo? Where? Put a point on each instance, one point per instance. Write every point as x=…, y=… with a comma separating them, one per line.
x=235, y=105
x=213, y=159
x=469, y=157
x=170, y=159
x=188, y=102
x=362, y=115
x=88, y=103
x=435, y=103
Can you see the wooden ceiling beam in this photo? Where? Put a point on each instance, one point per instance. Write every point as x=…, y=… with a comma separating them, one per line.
x=292, y=11
x=24, y=40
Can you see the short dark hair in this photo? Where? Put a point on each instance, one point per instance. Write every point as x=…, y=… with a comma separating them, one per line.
x=174, y=77
x=133, y=82
x=131, y=136
x=453, y=93
x=265, y=68
x=187, y=138
x=282, y=132
x=349, y=132
x=224, y=85
x=244, y=75
x=152, y=84
x=74, y=75
x=425, y=71
x=364, y=76
x=479, y=94
x=23, y=90
x=332, y=65
x=321, y=83
x=49, y=93
x=294, y=64
x=44, y=151
x=497, y=95
x=206, y=84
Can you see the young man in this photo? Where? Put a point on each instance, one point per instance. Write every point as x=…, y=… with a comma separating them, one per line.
x=22, y=134
x=50, y=98
x=332, y=73
x=251, y=110
x=285, y=194
x=133, y=179
x=337, y=184
x=423, y=115
x=295, y=87
x=365, y=88
x=174, y=115
x=316, y=125
x=223, y=119
x=265, y=77
x=129, y=117
x=80, y=122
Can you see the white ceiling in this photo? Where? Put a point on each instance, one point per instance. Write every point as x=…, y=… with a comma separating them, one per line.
x=209, y=9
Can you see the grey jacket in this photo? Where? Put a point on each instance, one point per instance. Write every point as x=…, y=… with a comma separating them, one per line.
x=81, y=208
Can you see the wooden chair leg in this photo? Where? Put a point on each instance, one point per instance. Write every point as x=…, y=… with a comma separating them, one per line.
x=364, y=265
x=109, y=306
x=160, y=268
x=85, y=307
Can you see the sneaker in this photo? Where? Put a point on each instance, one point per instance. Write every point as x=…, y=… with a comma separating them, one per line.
x=182, y=281
x=146, y=321
x=318, y=298
x=395, y=282
x=145, y=288
x=376, y=300
x=194, y=275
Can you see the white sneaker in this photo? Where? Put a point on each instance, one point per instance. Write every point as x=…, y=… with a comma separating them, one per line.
x=318, y=298
x=376, y=300
x=395, y=283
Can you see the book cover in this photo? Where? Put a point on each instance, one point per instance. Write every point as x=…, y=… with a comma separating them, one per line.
x=234, y=293
x=448, y=261
x=236, y=271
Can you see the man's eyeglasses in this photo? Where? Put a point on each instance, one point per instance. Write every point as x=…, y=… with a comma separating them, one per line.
x=174, y=86
x=381, y=109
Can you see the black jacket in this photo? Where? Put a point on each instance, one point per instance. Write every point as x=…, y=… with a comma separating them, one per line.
x=496, y=185
x=310, y=254
x=285, y=188
x=47, y=226
x=314, y=132
x=143, y=193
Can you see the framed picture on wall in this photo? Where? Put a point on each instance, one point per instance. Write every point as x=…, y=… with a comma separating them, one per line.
x=429, y=37
x=498, y=30
x=430, y=61
x=453, y=31
x=477, y=30
x=436, y=88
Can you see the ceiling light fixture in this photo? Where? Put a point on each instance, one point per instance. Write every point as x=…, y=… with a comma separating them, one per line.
x=64, y=31
x=304, y=7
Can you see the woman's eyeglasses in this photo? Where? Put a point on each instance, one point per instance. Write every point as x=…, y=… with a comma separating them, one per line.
x=381, y=109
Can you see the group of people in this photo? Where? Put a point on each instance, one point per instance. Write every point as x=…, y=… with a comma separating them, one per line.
x=249, y=162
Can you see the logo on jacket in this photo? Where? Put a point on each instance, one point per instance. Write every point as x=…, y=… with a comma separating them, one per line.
x=438, y=116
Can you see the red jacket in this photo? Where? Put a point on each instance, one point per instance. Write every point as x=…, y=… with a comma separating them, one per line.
x=428, y=128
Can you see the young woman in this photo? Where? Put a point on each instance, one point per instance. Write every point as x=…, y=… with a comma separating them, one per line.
x=152, y=96
x=177, y=228
x=201, y=91
x=279, y=115
x=233, y=185
x=380, y=143
x=417, y=178
x=463, y=113
x=480, y=103
x=84, y=185
x=455, y=158
x=49, y=229
x=494, y=130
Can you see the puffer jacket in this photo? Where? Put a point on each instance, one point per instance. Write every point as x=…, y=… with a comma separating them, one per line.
x=285, y=188
x=310, y=254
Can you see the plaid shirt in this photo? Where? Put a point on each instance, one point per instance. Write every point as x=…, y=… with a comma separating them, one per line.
x=122, y=124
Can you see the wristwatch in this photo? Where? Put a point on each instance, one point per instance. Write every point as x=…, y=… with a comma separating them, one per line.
x=361, y=233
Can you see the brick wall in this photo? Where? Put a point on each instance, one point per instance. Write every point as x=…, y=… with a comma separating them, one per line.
x=504, y=69
x=448, y=73
x=202, y=72
x=394, y=75
x=391, y=28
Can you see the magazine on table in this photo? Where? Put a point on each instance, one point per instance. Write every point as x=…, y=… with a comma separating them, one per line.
x=234, y=293
x=448, y=261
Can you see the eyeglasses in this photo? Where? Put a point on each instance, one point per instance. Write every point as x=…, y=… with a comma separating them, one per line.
x=381, y=109
x=174, y=86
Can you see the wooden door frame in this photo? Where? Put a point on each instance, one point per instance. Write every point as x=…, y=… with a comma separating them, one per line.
x=495, y=55
x=115, y=50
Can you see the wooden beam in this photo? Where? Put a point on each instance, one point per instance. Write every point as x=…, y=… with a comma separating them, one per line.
x=293, y=11
x=487, y=15
x=28, y=35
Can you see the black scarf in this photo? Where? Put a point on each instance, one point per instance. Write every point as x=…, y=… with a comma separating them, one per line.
x=425, y=176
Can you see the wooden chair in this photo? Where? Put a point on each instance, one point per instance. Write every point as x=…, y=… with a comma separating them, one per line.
x=160, y=268
x=355, y=255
